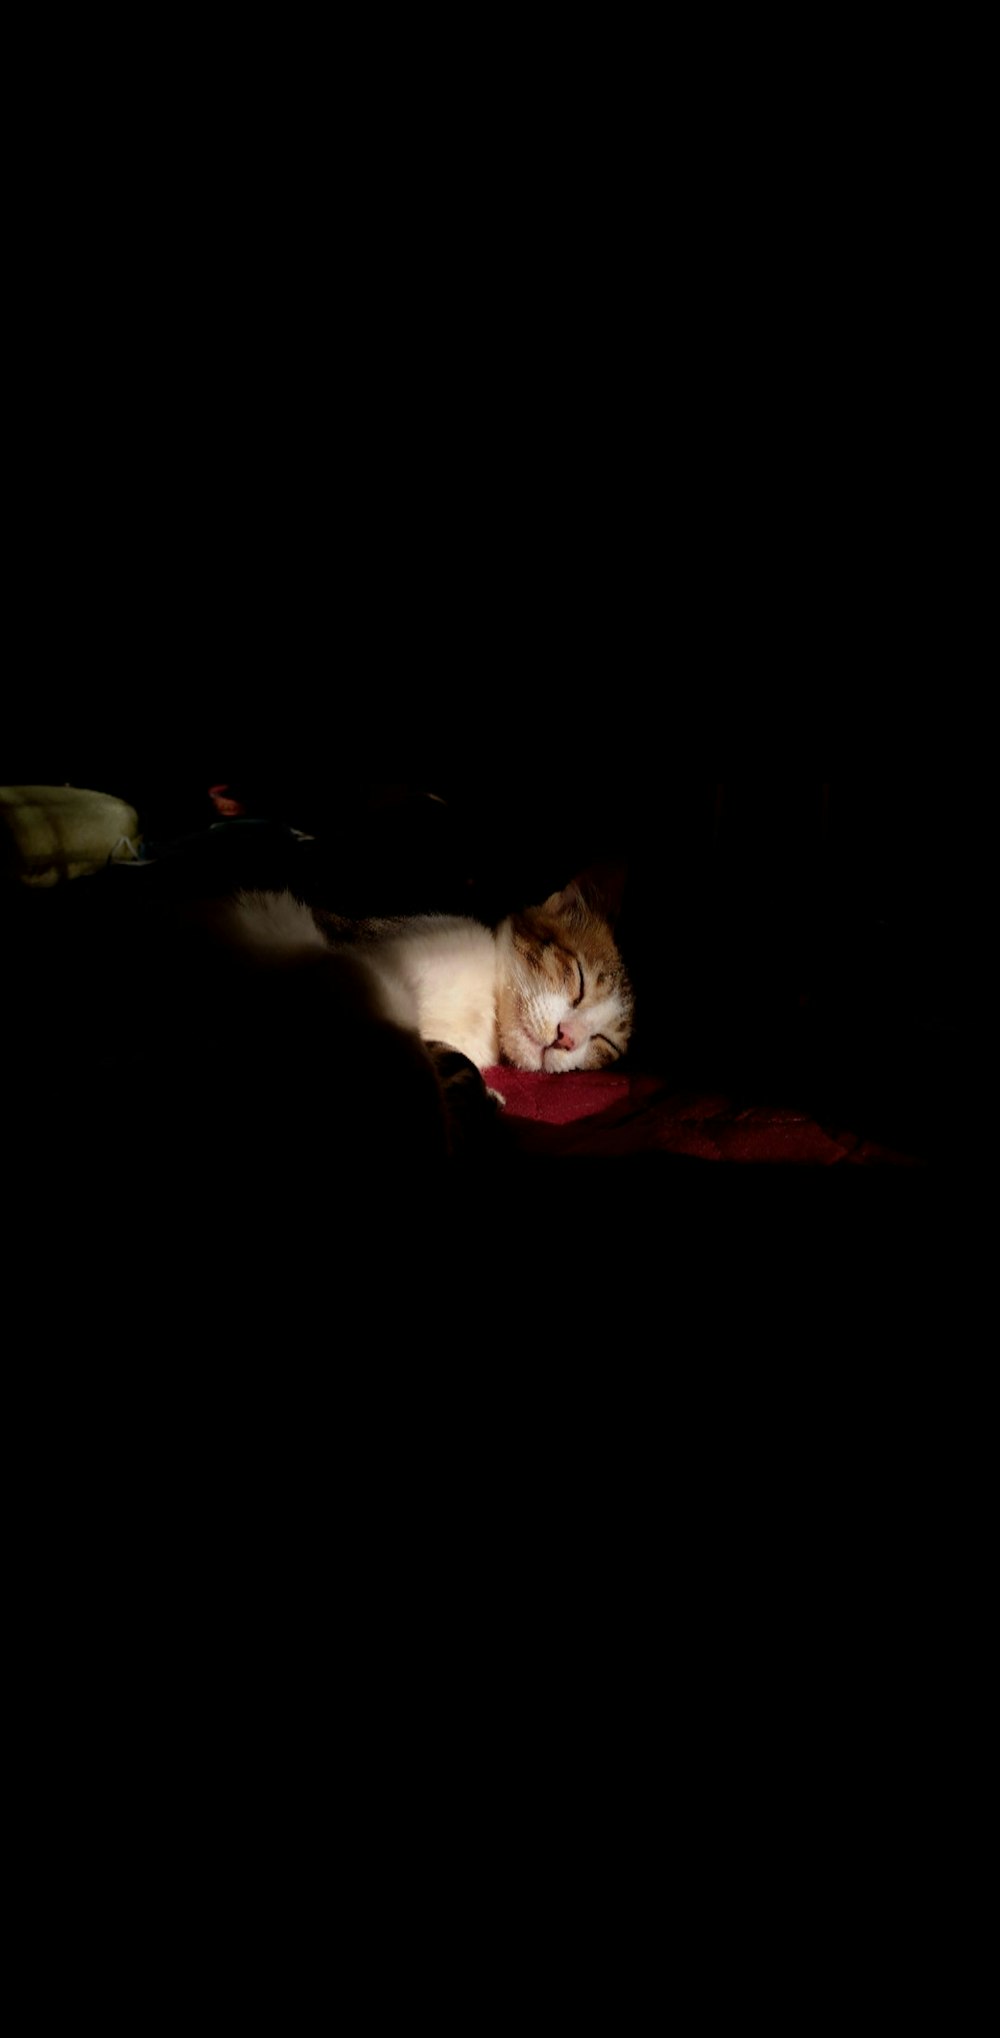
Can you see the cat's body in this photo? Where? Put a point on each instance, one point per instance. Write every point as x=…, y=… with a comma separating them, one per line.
x=545, y=990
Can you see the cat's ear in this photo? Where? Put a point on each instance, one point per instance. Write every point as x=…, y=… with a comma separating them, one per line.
x=598, y=889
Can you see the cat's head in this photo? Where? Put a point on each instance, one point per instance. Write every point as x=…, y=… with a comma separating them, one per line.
x=564, y=999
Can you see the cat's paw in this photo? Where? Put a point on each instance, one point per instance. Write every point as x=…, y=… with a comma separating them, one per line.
x=472, y=1108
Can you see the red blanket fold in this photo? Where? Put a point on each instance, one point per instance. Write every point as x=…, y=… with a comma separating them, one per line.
x=614, y=1113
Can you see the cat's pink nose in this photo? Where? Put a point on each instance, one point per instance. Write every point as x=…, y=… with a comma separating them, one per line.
x=565, y=1037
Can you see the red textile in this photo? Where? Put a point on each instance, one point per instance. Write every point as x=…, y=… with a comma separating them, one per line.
x=223, y=800
x=612, y=1113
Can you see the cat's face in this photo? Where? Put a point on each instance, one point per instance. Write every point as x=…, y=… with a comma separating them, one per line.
x=564, y=1001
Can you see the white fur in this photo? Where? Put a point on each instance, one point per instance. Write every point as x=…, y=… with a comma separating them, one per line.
x=447, y=967
x=434, y=974
x=269, y=926
x=274, y=929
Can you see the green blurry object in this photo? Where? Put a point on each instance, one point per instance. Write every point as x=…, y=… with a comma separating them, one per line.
x=49, y=832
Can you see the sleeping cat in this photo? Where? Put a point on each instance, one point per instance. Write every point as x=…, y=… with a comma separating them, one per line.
x=545, y=990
